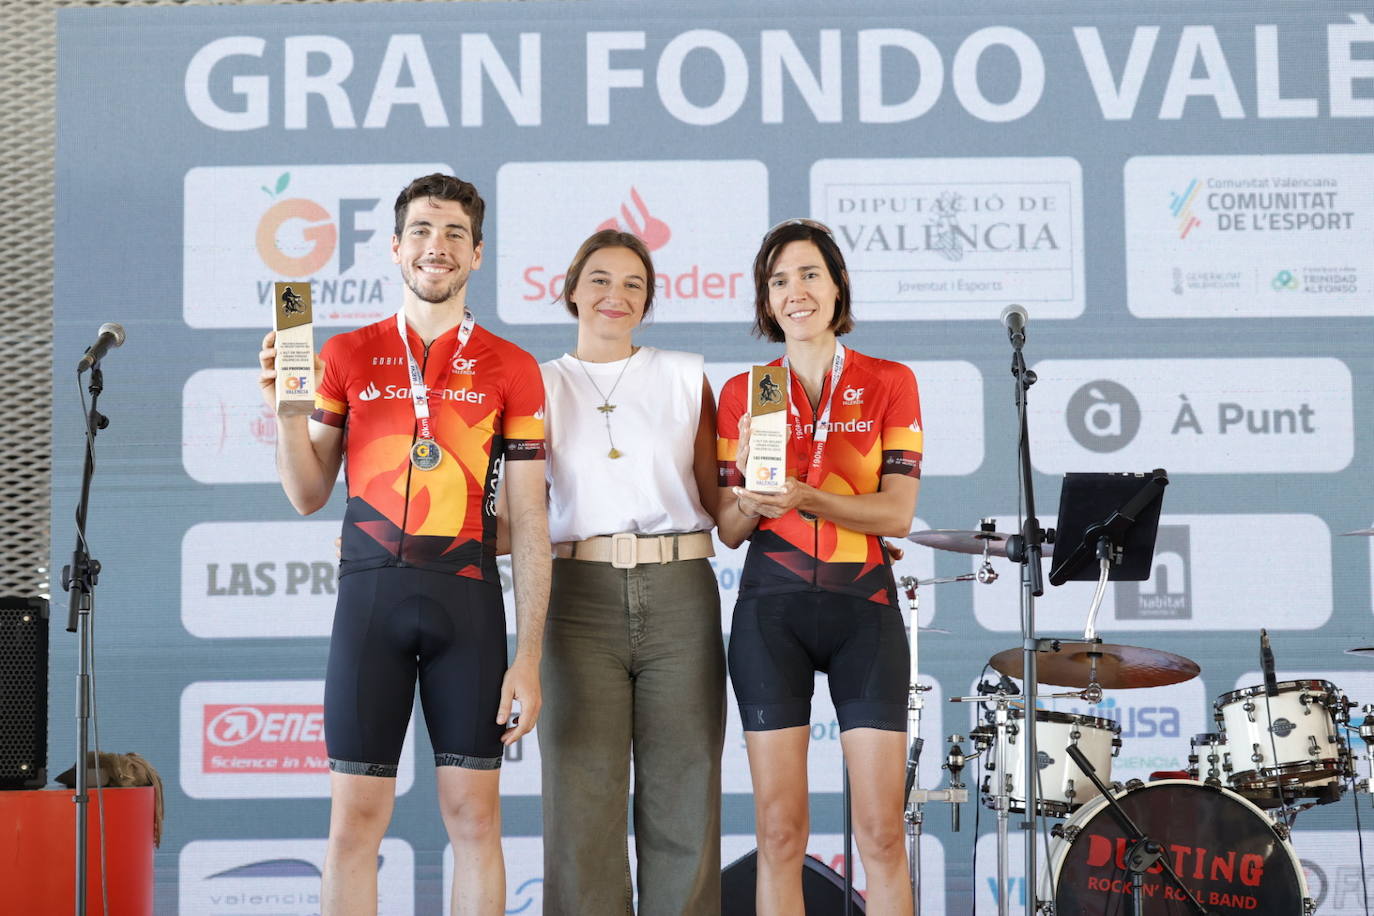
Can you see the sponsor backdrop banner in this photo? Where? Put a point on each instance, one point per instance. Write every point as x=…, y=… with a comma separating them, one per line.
x=1181, y=196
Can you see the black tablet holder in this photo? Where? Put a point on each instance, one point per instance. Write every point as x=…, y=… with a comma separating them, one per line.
x=1107, y=516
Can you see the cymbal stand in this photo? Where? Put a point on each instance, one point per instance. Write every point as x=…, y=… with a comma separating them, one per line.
x=1367, y=733
x=915, y=703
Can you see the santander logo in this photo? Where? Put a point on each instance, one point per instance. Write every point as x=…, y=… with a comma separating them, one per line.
x=685, y=283
x=370, y=393
x=654, y=232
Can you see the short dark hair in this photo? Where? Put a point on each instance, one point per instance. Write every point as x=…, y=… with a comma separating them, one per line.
x=607, y=238
x=778, y=238
x=444, y=187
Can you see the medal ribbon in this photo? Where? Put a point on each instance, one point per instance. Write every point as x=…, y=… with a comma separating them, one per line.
x=821, y=431
x=419, y=391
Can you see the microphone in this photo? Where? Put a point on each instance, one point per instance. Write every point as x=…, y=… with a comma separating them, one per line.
x=1014, y=320
x=111, y=335
x=1271, y=683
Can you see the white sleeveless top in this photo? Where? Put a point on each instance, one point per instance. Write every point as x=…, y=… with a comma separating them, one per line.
x=650, y=488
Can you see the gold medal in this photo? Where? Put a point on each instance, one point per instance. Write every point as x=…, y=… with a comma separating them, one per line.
x=425, y=454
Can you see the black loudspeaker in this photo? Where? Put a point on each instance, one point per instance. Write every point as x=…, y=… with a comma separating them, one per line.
x=822, y=889
x=23, y=693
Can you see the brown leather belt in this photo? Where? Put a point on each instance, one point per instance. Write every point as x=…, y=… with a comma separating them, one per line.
x=626, y=550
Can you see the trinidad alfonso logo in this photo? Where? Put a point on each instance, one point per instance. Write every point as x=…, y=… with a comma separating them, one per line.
x=653, y=231
x=1181, y=206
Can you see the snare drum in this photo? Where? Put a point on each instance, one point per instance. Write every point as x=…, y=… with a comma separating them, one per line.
x=1224, y=848
x=1063, y=787
x=1289, y=740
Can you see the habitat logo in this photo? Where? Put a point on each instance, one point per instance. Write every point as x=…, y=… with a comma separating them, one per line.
x=1166, y=595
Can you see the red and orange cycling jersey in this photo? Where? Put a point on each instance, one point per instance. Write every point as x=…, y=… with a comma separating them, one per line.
x=490, y=408
x=875, y=429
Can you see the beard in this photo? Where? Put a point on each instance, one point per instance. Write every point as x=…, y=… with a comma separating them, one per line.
x=433, y=295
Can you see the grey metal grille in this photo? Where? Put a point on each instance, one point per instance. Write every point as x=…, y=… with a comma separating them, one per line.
x=28, y=68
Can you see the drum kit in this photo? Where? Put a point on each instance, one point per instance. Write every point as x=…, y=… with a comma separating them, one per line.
x=1214, y=838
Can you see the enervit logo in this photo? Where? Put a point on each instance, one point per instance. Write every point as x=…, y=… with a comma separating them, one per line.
x=1293, y=586
x=260, y=739
x=1103, y=416
x=1194, y=416
x=247, y=227
x=696, y=237
x=260, y=726
x=1181, y=207
x=937, y=239
x=264, y=738
x=1165, y=595
x=280, y=876
x=654, y=232
x=259, y=579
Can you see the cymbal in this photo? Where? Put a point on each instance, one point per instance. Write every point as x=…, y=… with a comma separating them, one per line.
x=1363, y=650
x=1364, y=531
x=968, y=541
x=1118, y=667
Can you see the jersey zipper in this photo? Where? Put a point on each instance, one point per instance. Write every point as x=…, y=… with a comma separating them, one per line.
x=410, y=471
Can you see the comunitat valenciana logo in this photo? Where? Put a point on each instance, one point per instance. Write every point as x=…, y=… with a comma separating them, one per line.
x=1181, y=206
x=292, y=250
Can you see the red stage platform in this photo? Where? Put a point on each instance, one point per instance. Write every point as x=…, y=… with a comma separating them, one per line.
x=38, y=856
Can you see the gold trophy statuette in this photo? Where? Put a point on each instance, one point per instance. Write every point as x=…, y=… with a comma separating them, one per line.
x=292, y=317
x=766, y=469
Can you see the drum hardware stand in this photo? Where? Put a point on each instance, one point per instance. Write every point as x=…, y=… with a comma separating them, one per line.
x=1143, y=853
x=915, y=703
x=1002, y=786
x=1367, y=733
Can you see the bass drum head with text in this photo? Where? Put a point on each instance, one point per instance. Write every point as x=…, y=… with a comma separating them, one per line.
x=1222, y=846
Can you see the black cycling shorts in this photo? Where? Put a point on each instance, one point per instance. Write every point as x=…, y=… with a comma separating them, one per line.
x=779, y=642
x=392, y=625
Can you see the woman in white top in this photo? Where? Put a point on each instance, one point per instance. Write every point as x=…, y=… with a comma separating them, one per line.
x=633, y=654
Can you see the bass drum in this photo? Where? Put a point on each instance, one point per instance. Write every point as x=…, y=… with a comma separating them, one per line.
x=1222, y=846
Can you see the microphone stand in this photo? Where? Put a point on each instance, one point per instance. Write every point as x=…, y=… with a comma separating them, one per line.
x=1026, y=548
x=80, y=579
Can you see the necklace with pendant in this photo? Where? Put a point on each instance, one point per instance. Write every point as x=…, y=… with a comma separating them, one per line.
x=606, y=407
